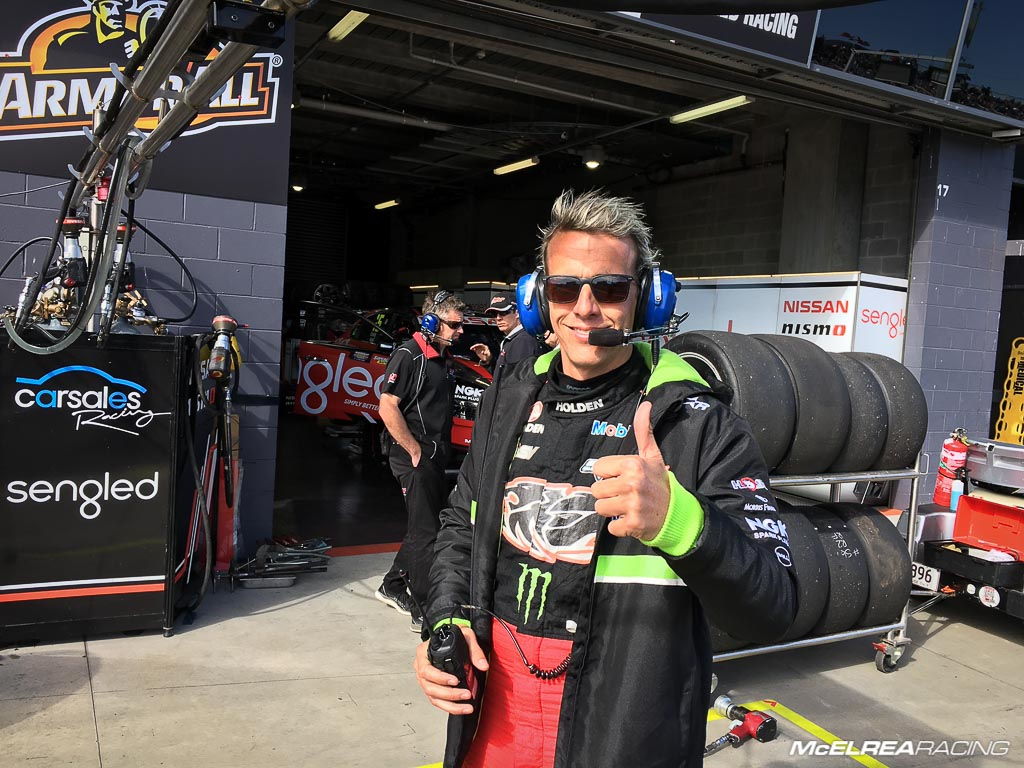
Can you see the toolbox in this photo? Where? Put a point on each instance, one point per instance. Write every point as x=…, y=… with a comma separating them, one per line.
x=952, y=557
x=986, y=524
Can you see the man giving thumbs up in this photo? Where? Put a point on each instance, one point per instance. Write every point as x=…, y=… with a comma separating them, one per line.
x=598, y=518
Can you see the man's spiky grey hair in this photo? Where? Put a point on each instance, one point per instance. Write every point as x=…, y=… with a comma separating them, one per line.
x=597, y=212
x=451, y=303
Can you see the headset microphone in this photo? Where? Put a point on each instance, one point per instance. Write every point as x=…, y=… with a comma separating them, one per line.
x=613, y=337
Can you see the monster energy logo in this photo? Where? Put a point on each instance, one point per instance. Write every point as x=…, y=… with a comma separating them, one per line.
x=533, y=576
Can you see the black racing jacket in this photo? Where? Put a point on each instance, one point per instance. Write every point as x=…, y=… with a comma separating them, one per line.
x=638, y=686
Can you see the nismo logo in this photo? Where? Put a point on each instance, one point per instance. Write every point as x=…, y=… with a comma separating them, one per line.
x=528, y=581
x=59, y=73
x=112, y=403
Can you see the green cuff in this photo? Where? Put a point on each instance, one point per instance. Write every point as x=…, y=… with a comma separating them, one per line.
x=451, y=620
x=683, y=523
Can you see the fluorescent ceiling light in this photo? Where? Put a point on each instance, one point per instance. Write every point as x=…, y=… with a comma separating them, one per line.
x=421, y=287
x=710, y=109
x=387, y=204
x=1006, y=133
x=348, y=22
x=517, y=166
x=297, y=187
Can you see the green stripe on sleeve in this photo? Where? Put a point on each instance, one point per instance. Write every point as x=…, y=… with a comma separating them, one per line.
x=636, y=569
x=472, y=511
x=683, y=523
x=460, y=622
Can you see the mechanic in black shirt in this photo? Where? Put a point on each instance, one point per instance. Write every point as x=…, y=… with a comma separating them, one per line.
x=517, y=344
x=416, y=407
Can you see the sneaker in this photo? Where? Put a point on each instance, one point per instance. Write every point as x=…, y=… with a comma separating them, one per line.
x=416, y=625
x=400, y=601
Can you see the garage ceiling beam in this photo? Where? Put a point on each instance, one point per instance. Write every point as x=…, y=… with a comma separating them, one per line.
x=546, y=48
x=617, y=94
x=443, y=97
x=532, y=84
x=380, y=116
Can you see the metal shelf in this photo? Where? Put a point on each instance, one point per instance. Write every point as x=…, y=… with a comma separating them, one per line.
x=896, y=638
x=781, y=481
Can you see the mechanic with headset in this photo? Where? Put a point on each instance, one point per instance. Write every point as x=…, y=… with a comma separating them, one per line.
x=517, y=344
x=599, y=517
x=416, y=408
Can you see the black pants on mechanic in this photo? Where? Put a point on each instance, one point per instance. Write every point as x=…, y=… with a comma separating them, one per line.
x=423, y=487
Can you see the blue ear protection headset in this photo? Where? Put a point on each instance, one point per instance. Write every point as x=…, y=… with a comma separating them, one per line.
x=429, y=321
x=654, y=307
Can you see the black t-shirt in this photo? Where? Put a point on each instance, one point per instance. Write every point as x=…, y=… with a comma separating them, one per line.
x=423, y=380
x=518, y=346
x=549, y=526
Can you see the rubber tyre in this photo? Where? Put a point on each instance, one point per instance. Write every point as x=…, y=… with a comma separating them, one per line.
x=753, y=376
x=822, y=405
x=869, y=417
x=810, y=570
x=847, y=572
x=887, y=558
x=723, y=643
x=906, y=409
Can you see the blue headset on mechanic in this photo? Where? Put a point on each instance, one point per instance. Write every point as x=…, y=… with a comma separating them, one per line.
x=592, y=527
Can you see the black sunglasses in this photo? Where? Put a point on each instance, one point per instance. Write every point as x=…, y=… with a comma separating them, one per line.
x=607, y=289
x=453, y=324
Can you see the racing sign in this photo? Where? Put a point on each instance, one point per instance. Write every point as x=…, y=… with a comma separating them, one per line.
x=55, y=72
x=783, y=35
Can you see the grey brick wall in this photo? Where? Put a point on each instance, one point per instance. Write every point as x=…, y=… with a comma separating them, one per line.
x=727, y=224
x=887, y=216
x=956, y=281
x=235, y=251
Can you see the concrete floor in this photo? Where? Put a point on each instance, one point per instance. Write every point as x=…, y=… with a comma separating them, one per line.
x=320, y=675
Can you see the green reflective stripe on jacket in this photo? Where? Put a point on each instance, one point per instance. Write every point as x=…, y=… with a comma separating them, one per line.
x=671, y=367
x=472, y=511
x=636, y=569
x=543, y=363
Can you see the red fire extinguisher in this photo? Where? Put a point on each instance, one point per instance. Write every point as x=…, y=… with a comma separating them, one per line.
x=954, y=457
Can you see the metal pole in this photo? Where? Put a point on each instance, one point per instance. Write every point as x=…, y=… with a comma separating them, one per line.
x=179, y=34
x=807, y=642
x=199, y=94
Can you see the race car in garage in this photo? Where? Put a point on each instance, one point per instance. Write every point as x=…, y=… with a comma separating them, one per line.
x=341, y=378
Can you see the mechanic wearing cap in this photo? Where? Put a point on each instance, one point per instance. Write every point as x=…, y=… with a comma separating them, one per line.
x=517, y=344
x=605, y=509
x=416, y=408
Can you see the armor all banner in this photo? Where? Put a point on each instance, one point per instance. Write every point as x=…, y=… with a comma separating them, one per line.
x=55, y=71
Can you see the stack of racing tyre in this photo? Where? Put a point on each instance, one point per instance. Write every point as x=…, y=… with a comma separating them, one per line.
x=815, y=412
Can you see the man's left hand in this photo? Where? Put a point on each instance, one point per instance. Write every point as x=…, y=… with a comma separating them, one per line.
x=634, y=489
x=483, y=353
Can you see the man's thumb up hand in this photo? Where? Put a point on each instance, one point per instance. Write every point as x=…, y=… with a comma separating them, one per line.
x=634, y=490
